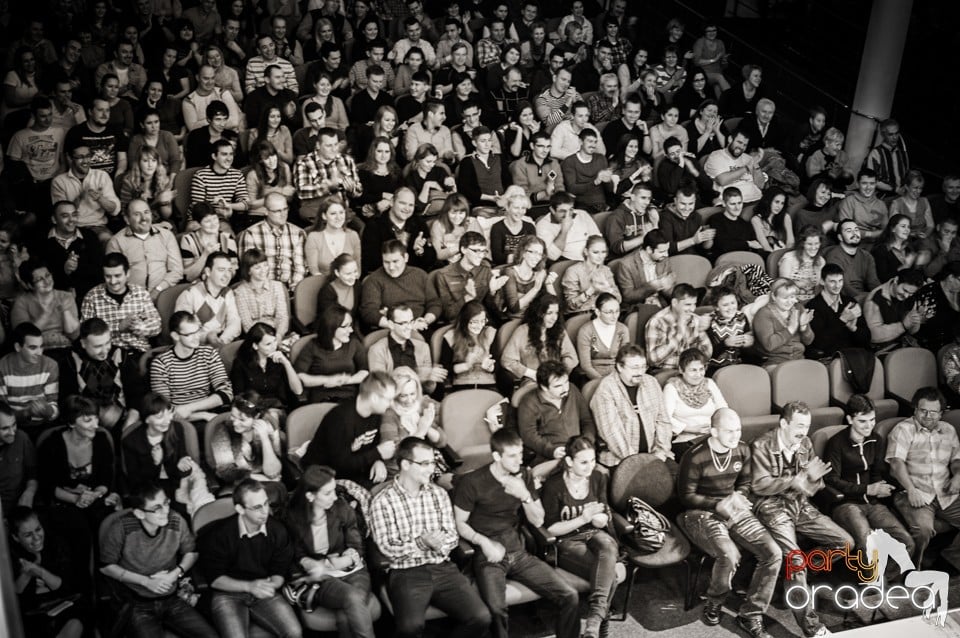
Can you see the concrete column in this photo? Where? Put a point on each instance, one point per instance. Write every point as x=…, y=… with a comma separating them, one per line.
x=879, y=70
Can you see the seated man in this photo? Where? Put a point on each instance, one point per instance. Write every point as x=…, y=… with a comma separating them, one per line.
x=857, y=470
x=585, y=171
x=733, y=232
x=859, y=268
x=550, y=415
x=191, y=375
x=564, y=230
x=153, y=251
x=348, y=439
x=947, y=203
x=18, y=471
x=219, y=184
x=365, y=104
x=940, y=248
x=199, y=143
x=565, y=138
x=677, y=168
x=146, y=550
x=430, y=130
x=487, y=506
x=411, y=521
x=305, y=139
x=676, y=328
x=864, y=207
x=375, y=50
x=924, y=457
x=397, y=283
x=714, y=483
x=74, y=253
x=733, y=166
x=212, y=301
x=892, y=313
x=784, y=475
x=127, y=308
x=279, y=240
x=97, y=370
x=629, y=412
x=89, y=189
x=400, y=224
x=645, y=275
x=763, y=129
x=196, y=105
x=29, y=381
x=536, y=172
x=683, y=226
x=34, y=155
x=399, y=349
x=245, y=558
x=469, y=278
x=631, y=220
x=838, y=320
x=324, y=171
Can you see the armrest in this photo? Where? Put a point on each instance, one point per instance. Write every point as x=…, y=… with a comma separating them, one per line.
x=464, y=549
x=375, y=558
x=541, y=536
x=621, y=525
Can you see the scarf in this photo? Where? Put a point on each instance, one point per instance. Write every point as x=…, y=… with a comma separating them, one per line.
x=696, y=396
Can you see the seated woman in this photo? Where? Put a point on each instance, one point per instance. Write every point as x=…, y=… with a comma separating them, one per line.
x=380, y=176
x=506, y=234
x=576, y=512
x=53, y=311
x=329, y=236
x=156, y=451
x=729, y=329
x=782, y=327
x=147, y=179
x=247, y=446
x=332, y=365
x=803, y=264
x=260, y=366
x=163, y=142
x=465, y=351
x=270, y=173
x=528, y=277
x=914, y=205
x=820, y=210
x=428, y=178
x=197, y=245
x=451, y=223
x=343, y=286
x=271, y=129
x=540, y=337
x=690, y=400
x=894, y=249
x=771, y=222
x=830, y=162
x=629, y=166
x=585, y=280
x=410, y=414
x=79, y=465
x=329, y=551
x=260, y=298
x=45, y=573
x=598, y=341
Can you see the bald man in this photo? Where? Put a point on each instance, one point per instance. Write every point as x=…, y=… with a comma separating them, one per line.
x=714, y=482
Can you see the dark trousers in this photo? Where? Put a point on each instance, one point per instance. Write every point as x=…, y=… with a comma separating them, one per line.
x=150, y=619
x=594, y=558
x=412, y=590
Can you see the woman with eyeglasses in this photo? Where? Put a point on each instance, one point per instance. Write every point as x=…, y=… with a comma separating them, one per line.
x=53, y=311
x=599, y=340
x=465, y=351
x=332, y=365
x=247, y=446
x=328, y=554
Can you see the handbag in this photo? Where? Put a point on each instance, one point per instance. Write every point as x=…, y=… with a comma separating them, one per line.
x=650, y=527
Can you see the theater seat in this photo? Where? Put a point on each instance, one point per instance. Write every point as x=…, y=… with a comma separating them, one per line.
x=805, y=380
x=841, y=390
x=462, y=419
x=747, y=391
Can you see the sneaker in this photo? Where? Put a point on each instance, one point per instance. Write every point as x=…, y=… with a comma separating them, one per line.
x=592, y=628
x=712, y=612
x=821, y=632
x=753, y=625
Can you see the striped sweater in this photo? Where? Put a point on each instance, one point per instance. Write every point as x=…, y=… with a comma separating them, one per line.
x=22, y=382
x=191, y=379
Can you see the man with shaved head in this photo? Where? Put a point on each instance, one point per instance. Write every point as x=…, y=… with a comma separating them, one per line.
x=714, y=482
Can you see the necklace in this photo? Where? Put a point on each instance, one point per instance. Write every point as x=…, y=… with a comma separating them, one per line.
x=717, y=463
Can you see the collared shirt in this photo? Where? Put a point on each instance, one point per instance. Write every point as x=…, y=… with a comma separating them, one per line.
x=398, y=519
x=283, y=248
x=65, y=241
x=245, y=534
x=667, y=336
x=68, y=186
x=403, y=354
x=136, y=303
x=927, y=455
x=602, y=108
x=310, y=171
x=358, y=73
x=155, y=260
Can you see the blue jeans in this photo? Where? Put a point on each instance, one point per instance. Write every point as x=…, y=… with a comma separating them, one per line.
x=535, y=574
x=920, y=523
x=351, y=598
x=593, y=557
x=723, y=543
x=233, y=611
x=860, y=518
x=150, y=619
x=787, y=516
x=412, y=590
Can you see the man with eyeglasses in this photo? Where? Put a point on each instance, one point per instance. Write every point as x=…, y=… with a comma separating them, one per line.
x=279, y=240
x=89, y=189
x=538, y=173
x=400, y=348
x=245, y=559
x=412, y=523
x=923, y=453
x=629, y=411
x=146, y=550
x=469, y=278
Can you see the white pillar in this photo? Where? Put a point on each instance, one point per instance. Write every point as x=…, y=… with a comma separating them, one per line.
x=879, y=70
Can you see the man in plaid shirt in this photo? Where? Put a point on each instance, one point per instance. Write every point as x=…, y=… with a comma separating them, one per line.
x=279, y=240
x=411, y=520
x=488, y=49
x=674, y=329
x=127, y=308
x=323, y=172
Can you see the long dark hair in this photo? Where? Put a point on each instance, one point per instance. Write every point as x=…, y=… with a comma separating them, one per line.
x=763, y=209
x=299, y=512
x=547, y=344
x=247, y=353
x=463, y=341
x=328, y=321
x=153, y=404
x=370, y=163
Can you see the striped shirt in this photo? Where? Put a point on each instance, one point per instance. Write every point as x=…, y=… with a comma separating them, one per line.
x=283, y=247
x=136, y=303
x=398, y=519
x=208, y=186
x=254, y=75
x=701, y=484
x=22, y=382
x=552, y=109
x=192, y=379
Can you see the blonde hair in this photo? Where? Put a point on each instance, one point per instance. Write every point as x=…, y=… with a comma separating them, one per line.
x=513, y=194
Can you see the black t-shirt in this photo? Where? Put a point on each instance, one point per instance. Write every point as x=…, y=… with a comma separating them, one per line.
x=732, y=234
x=104, y=145
x=493, y=512
x=559, y=504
